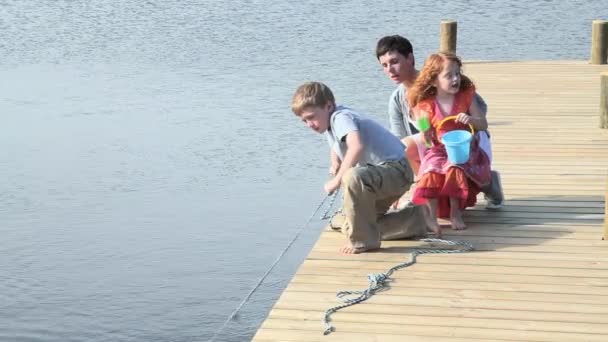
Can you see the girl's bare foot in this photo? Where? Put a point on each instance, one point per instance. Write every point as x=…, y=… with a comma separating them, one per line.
x=430, y=217
x=457, y=222
x=456, y=215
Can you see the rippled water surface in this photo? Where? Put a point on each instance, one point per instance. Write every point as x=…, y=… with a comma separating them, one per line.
x=150, y=168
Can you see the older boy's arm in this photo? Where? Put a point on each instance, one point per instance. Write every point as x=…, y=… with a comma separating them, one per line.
x=482, y=105
x=354, y=147
x=478, y=117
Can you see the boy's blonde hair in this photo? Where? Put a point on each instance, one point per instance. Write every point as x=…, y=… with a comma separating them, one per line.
x=311, y=94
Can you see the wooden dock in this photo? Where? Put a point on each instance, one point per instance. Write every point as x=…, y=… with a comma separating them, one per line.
x=540, y=268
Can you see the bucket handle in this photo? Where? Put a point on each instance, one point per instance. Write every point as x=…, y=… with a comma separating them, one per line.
x=453, y=117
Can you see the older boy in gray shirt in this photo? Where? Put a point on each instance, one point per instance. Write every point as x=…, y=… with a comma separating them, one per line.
x=369, y=165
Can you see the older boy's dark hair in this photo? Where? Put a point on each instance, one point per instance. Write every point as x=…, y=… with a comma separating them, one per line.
x=393, y=43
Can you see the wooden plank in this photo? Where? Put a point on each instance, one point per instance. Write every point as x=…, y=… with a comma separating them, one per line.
x=477, y=231
x=539, y=306
x=438, y=331
x=600, y=252
x=605, y=236
x=515, y=220
x=497, y=254
x=470, y=259
x=314, y=336
x=493, y=294
x=333, y=239
x=519, y=323
x=538, y=215
x=331, y=266
x=489, y=284
x=398, y=258
x=531, y=203
x=434, y=311
x=510, y=208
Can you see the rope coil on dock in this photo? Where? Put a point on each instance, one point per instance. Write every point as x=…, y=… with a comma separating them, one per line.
x=378, y=281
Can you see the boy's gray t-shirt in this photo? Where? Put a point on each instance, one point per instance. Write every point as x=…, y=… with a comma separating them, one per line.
x=379, y=145
x=398, y=113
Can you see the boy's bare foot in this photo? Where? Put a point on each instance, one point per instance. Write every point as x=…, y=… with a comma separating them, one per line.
x=456, y=218
x=349, y=249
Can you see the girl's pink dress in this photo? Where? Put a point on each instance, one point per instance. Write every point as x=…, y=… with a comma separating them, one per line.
x=438, y=177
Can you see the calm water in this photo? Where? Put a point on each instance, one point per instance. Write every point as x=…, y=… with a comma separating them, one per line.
x=150, y=167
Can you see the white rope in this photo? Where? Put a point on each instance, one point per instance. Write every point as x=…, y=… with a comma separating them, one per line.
x=377, y=281
x=276, y=261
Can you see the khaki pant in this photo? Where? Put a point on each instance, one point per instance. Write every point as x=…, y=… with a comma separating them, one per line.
x=368, y=193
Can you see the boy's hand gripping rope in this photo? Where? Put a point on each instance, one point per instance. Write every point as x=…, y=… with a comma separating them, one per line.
x=377, y=281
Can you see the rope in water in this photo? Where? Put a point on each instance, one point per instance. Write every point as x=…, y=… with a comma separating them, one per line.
x=378, y=281
x=276, y=261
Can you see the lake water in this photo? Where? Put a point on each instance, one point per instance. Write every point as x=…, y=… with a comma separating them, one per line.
x=151, y=169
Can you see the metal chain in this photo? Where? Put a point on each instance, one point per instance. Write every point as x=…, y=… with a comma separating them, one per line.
x=377, y=281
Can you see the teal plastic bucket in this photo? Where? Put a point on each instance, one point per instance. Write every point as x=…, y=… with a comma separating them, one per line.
x=458, y=145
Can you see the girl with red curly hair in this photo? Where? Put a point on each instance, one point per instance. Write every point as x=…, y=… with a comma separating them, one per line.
x=441, y=91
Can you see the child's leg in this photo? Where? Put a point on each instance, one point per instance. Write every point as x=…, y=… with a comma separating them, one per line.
x=456, y=214
x=359, y=208
x=493, y=192
x=406, y=223
x=431, y=217
x=368, y=191
x=428, y=191
x=383, y=205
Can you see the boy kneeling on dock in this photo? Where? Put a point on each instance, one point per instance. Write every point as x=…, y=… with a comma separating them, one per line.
x=367, y=161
